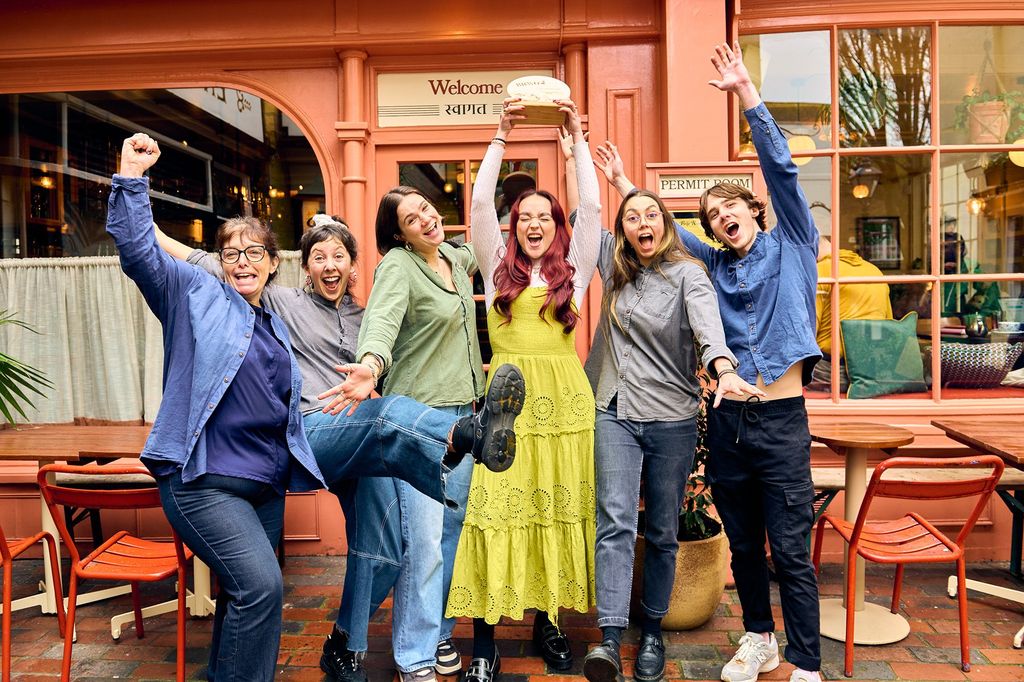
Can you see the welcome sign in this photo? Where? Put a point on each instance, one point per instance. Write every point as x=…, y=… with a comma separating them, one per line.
x=444, y=98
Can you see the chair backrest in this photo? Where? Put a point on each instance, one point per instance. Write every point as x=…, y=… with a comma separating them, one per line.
x=973, y=476
x=54, y=494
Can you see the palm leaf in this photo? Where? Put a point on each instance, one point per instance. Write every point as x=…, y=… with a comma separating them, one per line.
x=18, y=380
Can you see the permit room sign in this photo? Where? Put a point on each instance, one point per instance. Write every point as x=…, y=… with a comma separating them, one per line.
x=444, y=98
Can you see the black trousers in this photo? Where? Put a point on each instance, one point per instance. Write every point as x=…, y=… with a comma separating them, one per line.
x=759, y=468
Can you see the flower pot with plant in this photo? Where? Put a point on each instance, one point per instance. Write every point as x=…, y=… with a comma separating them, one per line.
x=700, y=563
x=991, y=118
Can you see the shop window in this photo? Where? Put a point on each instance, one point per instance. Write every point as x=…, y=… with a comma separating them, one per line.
x=223, y=153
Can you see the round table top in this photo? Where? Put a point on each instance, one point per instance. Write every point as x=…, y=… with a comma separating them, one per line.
x=861, y=435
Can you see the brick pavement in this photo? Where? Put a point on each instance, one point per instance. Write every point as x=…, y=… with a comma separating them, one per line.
x=931, y=652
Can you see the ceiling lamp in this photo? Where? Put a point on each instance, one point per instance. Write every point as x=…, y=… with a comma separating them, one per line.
x=864, y=177
x=861, y=191
x=975, y=204
x=801, y=143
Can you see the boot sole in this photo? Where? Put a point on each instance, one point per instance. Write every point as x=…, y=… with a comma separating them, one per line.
x=601, y=669
x=504, y=402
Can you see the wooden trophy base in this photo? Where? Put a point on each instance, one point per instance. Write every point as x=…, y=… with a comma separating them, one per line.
x=541, y=114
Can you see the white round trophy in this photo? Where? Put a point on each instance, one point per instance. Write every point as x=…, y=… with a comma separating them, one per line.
x=538, y=94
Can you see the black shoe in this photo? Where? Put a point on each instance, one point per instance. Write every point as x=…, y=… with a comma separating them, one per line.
x=494, y=438
x=650, y=659
x=482, y=670
x=339, y=663
x=553, y=646
x=602, y=663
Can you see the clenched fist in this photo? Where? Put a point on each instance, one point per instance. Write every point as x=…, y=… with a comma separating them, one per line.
x=138, y=153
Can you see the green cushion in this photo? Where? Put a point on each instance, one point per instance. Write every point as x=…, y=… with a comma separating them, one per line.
x=883, y=357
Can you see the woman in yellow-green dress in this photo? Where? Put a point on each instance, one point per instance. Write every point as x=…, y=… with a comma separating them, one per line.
x=528, y=538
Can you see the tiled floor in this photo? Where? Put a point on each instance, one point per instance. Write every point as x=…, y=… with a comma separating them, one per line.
x=931, y=652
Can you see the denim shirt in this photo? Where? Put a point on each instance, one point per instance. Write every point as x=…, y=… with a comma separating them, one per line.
x=767, y=297
x=207, y=328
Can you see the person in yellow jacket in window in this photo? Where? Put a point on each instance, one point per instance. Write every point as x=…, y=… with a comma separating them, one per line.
x=857, y=301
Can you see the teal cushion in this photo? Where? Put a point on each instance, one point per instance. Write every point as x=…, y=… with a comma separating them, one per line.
x=883, y=357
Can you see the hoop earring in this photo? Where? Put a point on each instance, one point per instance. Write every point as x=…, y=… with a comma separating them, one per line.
x=408, y=246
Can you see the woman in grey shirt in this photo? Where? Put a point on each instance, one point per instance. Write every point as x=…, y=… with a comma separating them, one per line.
x=659, y=315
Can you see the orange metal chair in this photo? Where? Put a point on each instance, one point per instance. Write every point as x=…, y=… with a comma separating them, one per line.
x=912, y=539
x=9, y=553
x=122, y=557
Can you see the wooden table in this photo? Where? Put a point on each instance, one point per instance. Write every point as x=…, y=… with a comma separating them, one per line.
x=1002, y=437
x=873, y=624
x=71, y=443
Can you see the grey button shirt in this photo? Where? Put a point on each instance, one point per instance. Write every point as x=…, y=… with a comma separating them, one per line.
x=322, y=336
x=668, y=319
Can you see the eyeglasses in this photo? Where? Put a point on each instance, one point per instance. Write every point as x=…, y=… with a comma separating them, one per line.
x=633, y=219
x=253, y=254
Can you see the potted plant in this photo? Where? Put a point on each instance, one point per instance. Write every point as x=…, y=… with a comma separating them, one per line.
x=17, y=378
x=700, y=563
x=991, y=118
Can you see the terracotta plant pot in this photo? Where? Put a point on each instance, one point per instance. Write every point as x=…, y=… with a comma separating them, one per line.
x=987, y=122
x=699, y=582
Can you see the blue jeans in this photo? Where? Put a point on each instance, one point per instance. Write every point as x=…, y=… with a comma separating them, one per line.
x=626, y=451
x=233, y=525
x=399, y=537
x=759, y=469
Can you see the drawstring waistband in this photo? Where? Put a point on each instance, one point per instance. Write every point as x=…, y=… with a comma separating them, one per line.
x=747, y=414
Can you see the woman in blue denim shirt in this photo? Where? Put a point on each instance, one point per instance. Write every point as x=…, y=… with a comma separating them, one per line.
x=201, y=447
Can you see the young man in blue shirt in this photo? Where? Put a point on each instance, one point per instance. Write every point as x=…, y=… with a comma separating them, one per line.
x=760, y=468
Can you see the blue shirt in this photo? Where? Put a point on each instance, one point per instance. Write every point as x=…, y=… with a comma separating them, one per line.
x=767, y=297
x=245, y=434
x=207, y=329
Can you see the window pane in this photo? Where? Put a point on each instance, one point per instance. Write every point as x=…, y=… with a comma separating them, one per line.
x=983, y=214
x=885, y=87
x=55, y=197
x=791, y=71
x=443, y=183
x=981, y=84
x=883, y=204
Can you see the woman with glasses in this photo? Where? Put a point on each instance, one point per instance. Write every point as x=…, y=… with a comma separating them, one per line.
x=528, y=540
x=229, y=438
x=659, y=317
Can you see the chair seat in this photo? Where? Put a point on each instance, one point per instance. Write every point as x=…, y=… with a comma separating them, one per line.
x=126, y=555
x=20, y=546
x=104, y=481
x=898, y=541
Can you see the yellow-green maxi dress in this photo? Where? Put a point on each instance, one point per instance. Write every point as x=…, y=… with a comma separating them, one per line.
x=528, y=538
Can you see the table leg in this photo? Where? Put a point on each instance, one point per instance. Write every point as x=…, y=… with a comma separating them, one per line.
x=50, y=601
x=873, y=624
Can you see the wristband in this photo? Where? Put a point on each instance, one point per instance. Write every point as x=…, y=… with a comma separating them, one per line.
x=374, y=365
x=726, y=371
x=498, y=140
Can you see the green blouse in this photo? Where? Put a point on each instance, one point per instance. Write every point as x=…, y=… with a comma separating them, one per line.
x=424, y=333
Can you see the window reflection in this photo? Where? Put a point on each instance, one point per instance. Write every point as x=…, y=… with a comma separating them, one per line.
x=58, y=151
x=884, y=87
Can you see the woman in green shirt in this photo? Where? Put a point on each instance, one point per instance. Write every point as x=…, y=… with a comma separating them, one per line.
x=420, y=329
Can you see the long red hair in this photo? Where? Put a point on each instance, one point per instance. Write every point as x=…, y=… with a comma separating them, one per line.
x=512, y=275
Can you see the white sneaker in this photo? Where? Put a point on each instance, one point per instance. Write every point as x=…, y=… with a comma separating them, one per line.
x=804, y=676
x=755, y=656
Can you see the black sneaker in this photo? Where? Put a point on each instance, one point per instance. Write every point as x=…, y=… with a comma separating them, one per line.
x=493, y=432
x=340, y=664
x=602, y=663
x=650, y=659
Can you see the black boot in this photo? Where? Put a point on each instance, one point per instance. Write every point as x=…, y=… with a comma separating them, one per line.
x=650, y=660
x=489, y=434
x=552, y=644
x=340, y=664
x=602, y=663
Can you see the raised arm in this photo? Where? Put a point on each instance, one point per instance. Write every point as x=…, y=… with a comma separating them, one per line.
x=780, y=173
x=585, y=246
x=487, y=242
x=130, y=223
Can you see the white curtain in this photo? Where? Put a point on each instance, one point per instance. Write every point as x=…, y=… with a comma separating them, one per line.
x=98, y=342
